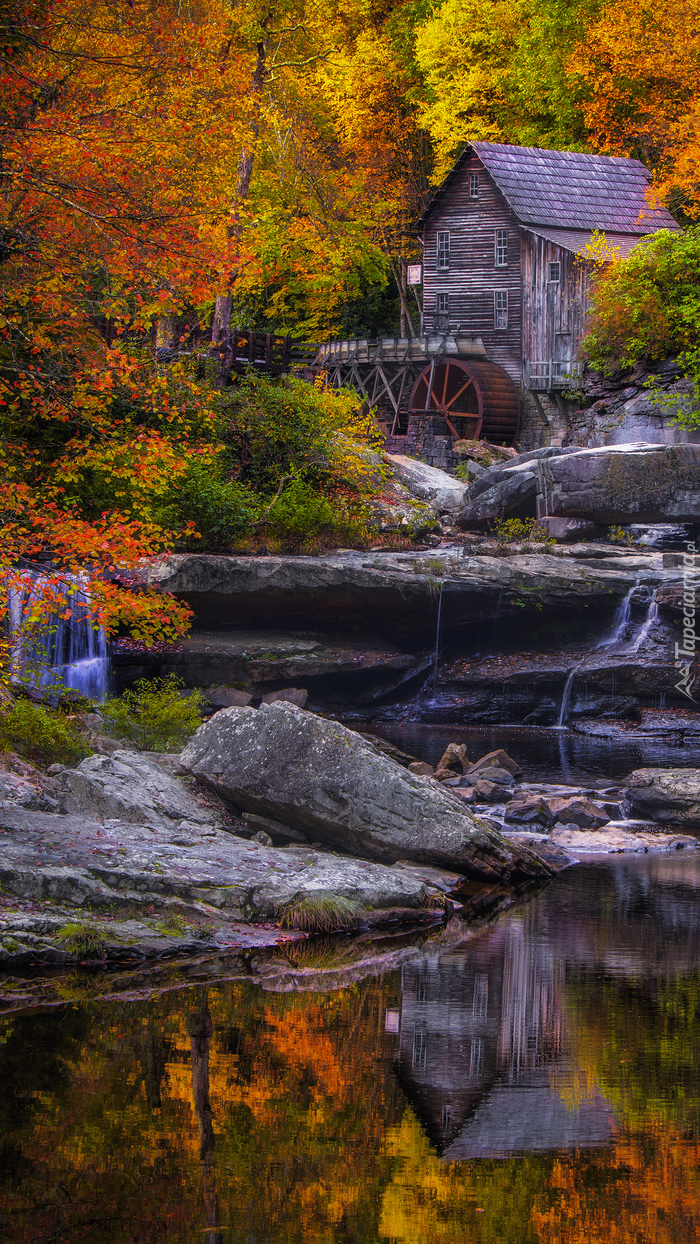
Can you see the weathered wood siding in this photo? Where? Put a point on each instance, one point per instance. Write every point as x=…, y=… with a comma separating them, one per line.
x=473, y=277
x=554, y=312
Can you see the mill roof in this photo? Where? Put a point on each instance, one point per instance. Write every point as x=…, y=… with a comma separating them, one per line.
x=566, y=189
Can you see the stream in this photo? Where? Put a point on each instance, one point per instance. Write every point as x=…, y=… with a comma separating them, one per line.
x=535, y=1081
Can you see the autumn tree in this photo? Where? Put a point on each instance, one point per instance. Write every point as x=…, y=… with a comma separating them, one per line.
x=638, y=65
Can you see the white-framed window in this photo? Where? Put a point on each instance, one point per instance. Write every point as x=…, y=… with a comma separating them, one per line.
x=443, y=251
x=501, y=248
x=442, y=310
x=554, y=271
x=500, y=308
x=473, y=185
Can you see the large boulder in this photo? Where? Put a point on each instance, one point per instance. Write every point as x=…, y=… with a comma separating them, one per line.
x=325, y=780
x=127, y=787
x=666, y=795
x=442, y=492
x=632, y=483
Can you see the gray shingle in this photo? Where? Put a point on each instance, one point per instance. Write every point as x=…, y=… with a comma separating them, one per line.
x=567, y=189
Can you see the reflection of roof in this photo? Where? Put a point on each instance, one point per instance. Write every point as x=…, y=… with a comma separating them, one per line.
x=531, y=1117
x=567, y=189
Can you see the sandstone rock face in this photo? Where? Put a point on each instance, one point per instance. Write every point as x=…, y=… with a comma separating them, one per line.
x=131, y=788
x=636, y=482
x=442, y=492
x=666, y=795
x=325, y=780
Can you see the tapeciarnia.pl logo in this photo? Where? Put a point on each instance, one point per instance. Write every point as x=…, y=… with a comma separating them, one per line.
x=685, y=652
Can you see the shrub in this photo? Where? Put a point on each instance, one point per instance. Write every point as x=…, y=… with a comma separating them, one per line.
x=40, y=734
x=222, y=510
x=153, y=715
x=514, y=530
x=302, y=517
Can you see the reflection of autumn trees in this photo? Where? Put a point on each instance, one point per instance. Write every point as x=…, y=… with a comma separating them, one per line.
x=242, y=1114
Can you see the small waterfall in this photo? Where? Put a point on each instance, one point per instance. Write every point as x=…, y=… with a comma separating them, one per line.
x=437, y=640
x=68, y=651
x=566, y=697
x=620, y=621
x=651, y=616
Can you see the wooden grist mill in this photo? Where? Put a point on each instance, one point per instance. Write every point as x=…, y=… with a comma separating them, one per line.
x=428, y=392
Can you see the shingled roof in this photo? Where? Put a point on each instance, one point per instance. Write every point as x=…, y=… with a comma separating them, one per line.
x=566, y=189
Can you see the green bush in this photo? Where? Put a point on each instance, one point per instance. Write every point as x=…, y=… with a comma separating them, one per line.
x=153, y=715
x=302, y=517
x=40, y=734
x=514, y=530
x=222, y=510
x=322, y=914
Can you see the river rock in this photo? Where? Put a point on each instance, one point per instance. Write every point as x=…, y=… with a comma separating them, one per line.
x=227, y=697
x=453, y=760
x=325, y=780
x=666, y=795
x=529, y=812
x=577, y=811
x=290, y=695
x=131, y=788
x=497, y=759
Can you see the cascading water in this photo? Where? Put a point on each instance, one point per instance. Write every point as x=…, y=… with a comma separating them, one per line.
x=69, y=651
x=566, y=697
x=437, y=641
x=620, y=621
x=651, y=616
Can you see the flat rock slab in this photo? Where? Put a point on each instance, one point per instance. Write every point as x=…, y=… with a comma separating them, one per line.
x=616, y=841
x=129, y=787
x=331, y=784
x=207, y=879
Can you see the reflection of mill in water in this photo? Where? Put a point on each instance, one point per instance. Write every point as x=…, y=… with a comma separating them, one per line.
x=482, y=1050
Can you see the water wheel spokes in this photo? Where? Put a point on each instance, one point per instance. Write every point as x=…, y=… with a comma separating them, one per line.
x=475, y=397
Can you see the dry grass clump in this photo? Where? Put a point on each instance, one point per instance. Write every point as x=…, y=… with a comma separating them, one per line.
x=324, y=914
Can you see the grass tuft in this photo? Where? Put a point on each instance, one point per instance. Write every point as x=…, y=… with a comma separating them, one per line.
x=324, y=914
x=83, y=938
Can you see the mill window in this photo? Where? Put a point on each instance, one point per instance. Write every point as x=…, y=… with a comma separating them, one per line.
x=443, y=251
x=554, y=272
x=442, y=310
x=501, y=248
x=473, y=185
x=500, y=308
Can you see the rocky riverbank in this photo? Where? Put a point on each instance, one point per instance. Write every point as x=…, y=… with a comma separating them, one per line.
x=274, y=822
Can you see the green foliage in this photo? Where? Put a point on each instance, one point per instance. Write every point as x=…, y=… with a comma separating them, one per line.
x=222, y=510
x=647, y=307
x=303, y=518
x=83, y=937
x=618, y=535
x=153, y=715
x=40, y=734
x=515, y=530
x=320, y=915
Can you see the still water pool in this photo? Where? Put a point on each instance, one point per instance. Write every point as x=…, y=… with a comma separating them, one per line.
x=530, y=1080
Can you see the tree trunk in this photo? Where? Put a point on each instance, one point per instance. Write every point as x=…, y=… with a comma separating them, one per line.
x=221, y=327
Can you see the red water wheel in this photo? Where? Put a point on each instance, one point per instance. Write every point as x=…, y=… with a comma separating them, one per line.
x=476, y=399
